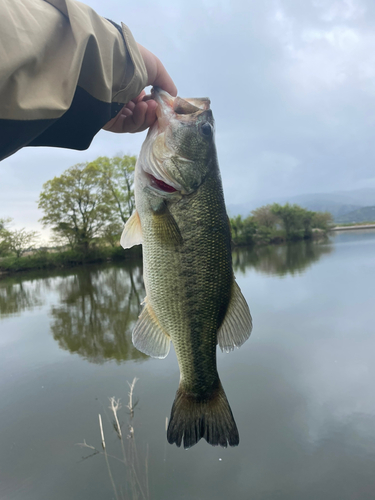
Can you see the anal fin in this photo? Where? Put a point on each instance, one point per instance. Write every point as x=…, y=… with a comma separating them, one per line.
x=237, y=324
x=148, y=336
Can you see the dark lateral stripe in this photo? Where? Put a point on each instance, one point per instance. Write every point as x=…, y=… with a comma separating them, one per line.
x=74, y=130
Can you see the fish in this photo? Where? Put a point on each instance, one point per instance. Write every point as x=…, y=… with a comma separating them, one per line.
x=192, y=297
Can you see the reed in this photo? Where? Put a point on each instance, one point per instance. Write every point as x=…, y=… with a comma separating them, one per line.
x=136, y=477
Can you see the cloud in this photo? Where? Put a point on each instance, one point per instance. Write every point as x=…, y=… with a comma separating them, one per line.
x=291, y=85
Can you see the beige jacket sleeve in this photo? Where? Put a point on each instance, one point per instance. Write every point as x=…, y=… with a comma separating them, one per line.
x=49, y=48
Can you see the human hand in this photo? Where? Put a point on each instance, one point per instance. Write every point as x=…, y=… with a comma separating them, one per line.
x=137, y=115
x=140, y=113
x=157, y=74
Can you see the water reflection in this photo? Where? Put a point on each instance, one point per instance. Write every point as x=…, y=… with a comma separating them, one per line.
x=97, y=311
x=301, y=388
x=280, y=259
x=17, y=296
x=97, y=306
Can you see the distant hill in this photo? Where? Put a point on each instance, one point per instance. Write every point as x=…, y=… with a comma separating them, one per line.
x=324, y=204
x=365, y=214
x=338, y=203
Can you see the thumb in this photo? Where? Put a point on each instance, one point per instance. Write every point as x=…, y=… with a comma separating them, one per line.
x=157, y=74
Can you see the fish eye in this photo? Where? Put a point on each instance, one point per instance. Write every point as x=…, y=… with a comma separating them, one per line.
x=206, y=129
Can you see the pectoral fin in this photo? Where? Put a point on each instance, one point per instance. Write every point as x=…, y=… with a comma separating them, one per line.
x=237, y=324
x=148, y=335
x=132, y=233
x=166, y=228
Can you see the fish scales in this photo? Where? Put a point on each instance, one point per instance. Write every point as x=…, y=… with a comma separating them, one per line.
x=192, y=297
x=192, y=311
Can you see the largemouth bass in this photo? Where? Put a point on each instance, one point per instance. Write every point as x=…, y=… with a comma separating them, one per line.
x=192, y=298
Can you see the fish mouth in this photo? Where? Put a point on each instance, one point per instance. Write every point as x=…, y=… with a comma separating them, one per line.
x=170, y=107
x=159, y=184
x=156, y=151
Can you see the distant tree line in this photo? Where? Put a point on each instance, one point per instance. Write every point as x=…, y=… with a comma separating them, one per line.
x=88, y=205
x=276, y=223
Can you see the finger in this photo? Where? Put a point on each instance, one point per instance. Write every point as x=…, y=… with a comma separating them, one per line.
x=130, y=105
x=131, y=121
x=150, y=116
x=157, y=74
x=124, y=122
x=163, y=80
x=113, y=123
x=134, y=117
x=139, y=115
x=140, y=97
x=127, y=112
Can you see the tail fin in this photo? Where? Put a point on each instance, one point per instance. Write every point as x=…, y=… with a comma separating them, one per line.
x=193, y=418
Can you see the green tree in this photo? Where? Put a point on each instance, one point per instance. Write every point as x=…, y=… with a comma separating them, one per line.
x=16, y=241
x=276, y=223
x=21, y=241
x=264, y=216
x=111, y=233
x=118, y=179
x=268, y=224
x=3, y=224
x=322, y=220
x=76, y=205
x=236, y=224
x=243, y=230
x=296, y=220
x=90, y=201
x=4, y=232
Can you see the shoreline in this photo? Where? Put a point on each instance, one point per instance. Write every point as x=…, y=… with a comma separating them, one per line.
x=44, y=260
x=351, y=228
x=69, y=259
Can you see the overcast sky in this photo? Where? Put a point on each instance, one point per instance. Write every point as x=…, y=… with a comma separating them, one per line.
x=292, y=86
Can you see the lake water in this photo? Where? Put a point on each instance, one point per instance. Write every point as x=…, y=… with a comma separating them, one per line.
x=301, y=389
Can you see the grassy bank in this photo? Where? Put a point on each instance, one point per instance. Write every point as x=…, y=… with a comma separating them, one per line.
x=43, y=259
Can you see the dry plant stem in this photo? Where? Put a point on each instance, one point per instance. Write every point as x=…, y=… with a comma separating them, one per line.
x=106, y=458
x=101, y=431
x=146, y=469
x=115, y=406
x=133, y=449
x=134, y=462
x=97, y=452
x=138, y=483
x=123, y=451
x=130, y=404
x=110, y=475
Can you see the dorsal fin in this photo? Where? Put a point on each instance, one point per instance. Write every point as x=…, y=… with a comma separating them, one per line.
x=237, y=324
